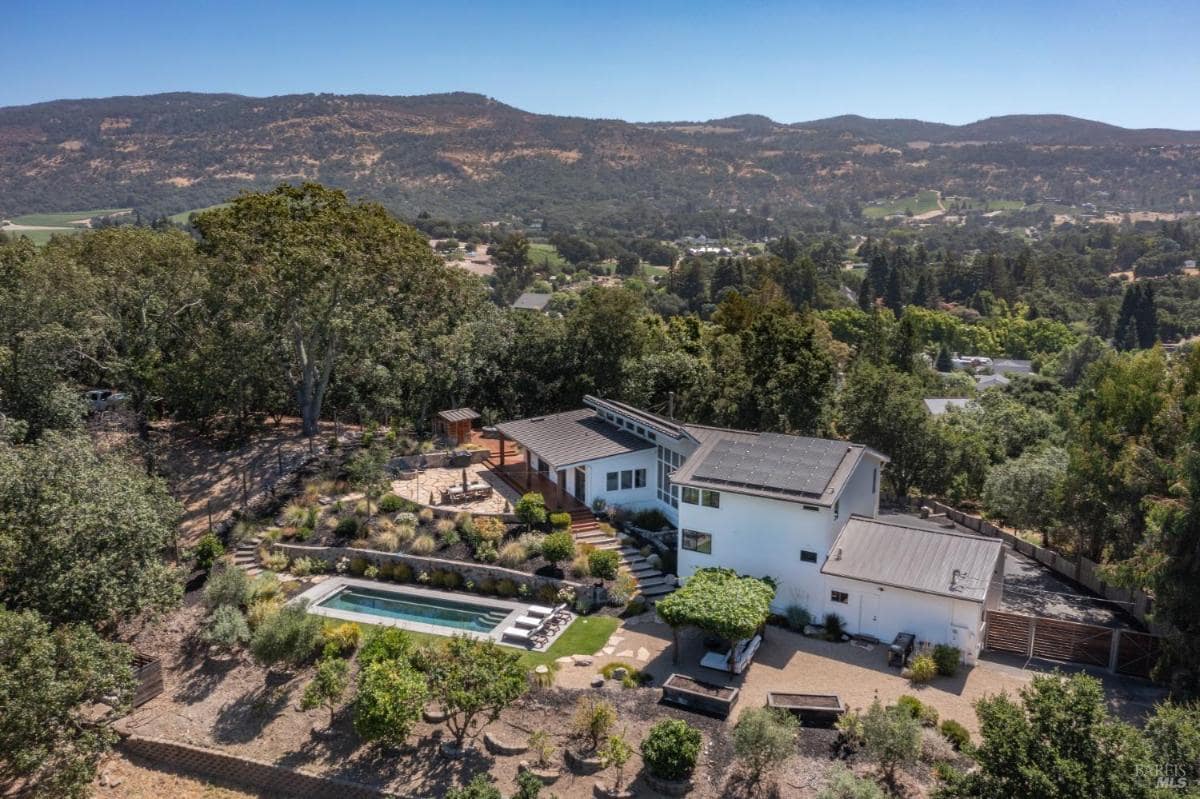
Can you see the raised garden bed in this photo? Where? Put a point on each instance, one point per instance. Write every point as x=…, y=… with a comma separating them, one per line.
x=700, y=696
x=813, y=710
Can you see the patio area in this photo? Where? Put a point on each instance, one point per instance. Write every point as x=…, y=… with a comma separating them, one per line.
x=434, y=483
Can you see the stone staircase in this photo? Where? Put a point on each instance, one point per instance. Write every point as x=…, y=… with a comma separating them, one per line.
x=652, y=583
x=245, y=556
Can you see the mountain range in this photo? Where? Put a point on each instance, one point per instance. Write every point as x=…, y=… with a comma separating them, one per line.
x=468, y=156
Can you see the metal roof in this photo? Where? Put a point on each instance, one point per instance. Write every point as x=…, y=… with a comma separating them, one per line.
x=774, y=465
x=939, y=405
x=458, y=415
x=562, y=439
x=652, y=420
x=532, y=302
x=943, y=562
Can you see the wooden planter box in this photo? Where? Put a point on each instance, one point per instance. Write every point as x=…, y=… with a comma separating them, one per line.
x=147, y=672
x=703, y=697
x=814, y=710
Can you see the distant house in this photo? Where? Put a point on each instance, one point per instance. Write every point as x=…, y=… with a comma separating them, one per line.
x=532, y=302
x=991, y=381
x=940, y=405
x=1010, y=366
x=999, y=366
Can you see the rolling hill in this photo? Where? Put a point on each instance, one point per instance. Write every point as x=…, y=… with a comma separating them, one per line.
x=469, y=156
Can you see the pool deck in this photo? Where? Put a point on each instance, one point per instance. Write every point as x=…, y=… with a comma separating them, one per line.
x=326, y=588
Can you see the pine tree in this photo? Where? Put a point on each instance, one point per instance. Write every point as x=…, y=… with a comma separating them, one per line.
x=866, y=297
x=1146, y=318
x=894, y=295
x=920, y=296
x=944, y=363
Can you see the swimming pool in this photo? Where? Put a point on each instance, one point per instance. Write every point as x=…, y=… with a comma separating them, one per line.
x=417, y=608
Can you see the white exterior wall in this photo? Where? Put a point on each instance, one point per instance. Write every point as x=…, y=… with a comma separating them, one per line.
x=597, y=481
x=857, y=496
x=883, y=611
x=762, y=538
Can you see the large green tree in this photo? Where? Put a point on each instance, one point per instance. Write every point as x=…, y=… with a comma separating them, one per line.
x=313, y=277
x=51, y=682
x=83, y=535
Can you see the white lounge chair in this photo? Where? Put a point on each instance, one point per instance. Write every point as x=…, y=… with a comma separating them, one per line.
x=520, y=634
x=528, y=622
x=539, y=610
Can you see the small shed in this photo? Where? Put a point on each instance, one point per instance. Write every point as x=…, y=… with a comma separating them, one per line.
x=455, y=425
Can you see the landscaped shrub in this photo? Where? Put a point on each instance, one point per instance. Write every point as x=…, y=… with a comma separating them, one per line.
x=372, y=572
x=392, y=503
x=532, y=543
x=560, y=521
x=910, y=705
x=342, y=639
x=487, y=586
x=798, y=618
x=294, y=514
x=273, y=561
x=347, y=527
x=290, y=637
x=362, y=508
x=444, y=578
x=835, y=628
x=489, y=529
x=358, y=566
x=892, y=738
x=226, y=628
x=207, y=550
x=384, y=643
x=623, y=588
x=264, y=586
x=581, y=567
x=465, y=524
x=425, y=516
x=513, y=554
x=547, y=594
x=763, y=738
x=402, y=572
x=385, y=540
x=422, y=545
x=956, y=734
x=386, y=569
x=405, y=533
x=486, y=552
x=922, y=668
x=603, y=563
x=929, y=716
x=843, y=784
x=263, y=609
x=303, y=567
x=593, y=720
x=947, y=658
x=531, y=509
x=650, y=519
x=506, y=588
x=558, y=547
x=227, y=586
x=671, y=749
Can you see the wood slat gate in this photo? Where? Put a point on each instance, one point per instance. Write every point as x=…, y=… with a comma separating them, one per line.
x=1072, y=642
x=1137, y=653
x=1008, y=632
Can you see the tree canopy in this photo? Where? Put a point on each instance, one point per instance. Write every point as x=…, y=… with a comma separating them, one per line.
x=720, y=602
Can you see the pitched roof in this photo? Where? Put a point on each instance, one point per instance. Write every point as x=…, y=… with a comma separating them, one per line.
x=532, y=302
x=943, y=562
x=939, y=405
x=990, y=381
x=773, y=465
x=1007, y=366
x=658, y=423
x=561, y=439
x=458, y=415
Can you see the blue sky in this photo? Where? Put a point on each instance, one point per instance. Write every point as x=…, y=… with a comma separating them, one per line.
x=1129, y=63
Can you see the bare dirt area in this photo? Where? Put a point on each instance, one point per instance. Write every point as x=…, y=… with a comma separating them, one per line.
x=207, y=474
x=233, y=707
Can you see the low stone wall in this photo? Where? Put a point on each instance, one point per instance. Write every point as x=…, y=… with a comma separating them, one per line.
x=246, y=771
x=434, y=460
x=475, y=572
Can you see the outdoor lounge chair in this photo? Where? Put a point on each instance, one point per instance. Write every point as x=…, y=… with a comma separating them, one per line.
x=734, y=661
x=529, y=622
x=520, y=634
x=539, y=611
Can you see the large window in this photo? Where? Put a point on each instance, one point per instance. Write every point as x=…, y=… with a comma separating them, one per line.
x=840, y=597
x=627, y=479
x=612, y=481
x=668, y=461
x=639, y=478
x=694, y=541
x=689, y=495
x=710, y=499
x=808, y=556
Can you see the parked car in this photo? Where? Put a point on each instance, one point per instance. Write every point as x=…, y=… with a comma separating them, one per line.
x=104, y=399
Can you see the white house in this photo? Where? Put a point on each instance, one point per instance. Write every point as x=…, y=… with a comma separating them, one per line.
x=796, y=509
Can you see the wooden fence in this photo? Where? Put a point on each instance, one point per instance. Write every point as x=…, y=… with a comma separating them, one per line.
x=1086, y=572
x=1119, y=651
x=147, y=671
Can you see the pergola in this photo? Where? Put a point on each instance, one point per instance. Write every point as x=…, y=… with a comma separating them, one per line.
x=720, y=602
x=455, y=424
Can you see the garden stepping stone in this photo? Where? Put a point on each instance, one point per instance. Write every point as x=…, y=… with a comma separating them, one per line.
x=608, y=650
x=628, y=653
x=643, y=654
x=579, y=660
x=565, y=659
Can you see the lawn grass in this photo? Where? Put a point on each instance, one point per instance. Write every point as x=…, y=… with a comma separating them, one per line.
x=545, y=256
x=919, y=203
x=974, y=204
x=41, y=237
x=63, y=218
x=182, y=217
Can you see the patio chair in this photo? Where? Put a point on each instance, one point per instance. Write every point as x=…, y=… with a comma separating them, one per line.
x=539, y=611
x=520, y=634
x=529, y=622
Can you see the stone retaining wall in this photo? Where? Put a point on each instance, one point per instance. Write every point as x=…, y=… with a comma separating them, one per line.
x=475, y=572
x=246, y=771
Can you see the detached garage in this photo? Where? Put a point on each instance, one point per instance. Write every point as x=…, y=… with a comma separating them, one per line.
x=884, y=578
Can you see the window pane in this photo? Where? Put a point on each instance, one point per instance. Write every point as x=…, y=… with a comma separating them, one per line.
x=639, y=478
x=697, y=542
x=611, y=481
x=627, y=479
x=808, y=556
x=710, y=499
x=691, y=495
x=840, y=597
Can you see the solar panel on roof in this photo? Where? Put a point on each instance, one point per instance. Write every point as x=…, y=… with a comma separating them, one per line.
x=777, y=462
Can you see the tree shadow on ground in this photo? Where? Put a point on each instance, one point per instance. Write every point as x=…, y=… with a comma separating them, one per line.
x=202, y=677
x=740, y=786
x=422, y=770
x=244, y=719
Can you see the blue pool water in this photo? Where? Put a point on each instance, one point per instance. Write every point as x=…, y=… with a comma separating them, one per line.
x=416, y=608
